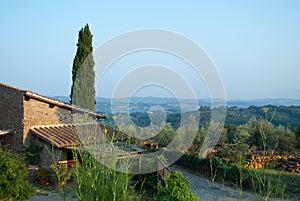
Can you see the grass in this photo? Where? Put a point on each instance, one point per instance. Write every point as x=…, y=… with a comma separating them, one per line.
x=297, y=151
x=291, y=181
x=231, y=175
x=278, y=184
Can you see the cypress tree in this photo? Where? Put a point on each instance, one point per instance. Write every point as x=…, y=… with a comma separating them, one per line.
x=83, y=74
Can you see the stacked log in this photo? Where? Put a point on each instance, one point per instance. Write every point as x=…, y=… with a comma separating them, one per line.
x=261, y=161
x=289, y=163
x=257, y=159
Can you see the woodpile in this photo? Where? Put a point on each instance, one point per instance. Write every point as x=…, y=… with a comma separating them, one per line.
x=275, y=160
x=258, y=159
x=291, y=165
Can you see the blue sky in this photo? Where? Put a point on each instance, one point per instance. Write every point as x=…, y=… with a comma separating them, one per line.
x=255, y=45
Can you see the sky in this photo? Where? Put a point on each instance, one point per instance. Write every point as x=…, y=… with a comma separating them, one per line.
x=255, y=45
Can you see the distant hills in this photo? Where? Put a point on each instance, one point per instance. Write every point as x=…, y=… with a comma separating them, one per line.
x=172, y=105
x=287, y=111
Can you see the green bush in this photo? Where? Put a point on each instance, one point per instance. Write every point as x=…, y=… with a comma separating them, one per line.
x=13, y=183
x=43, y=176
x=147, y=182
x=177, y=189
x=32, y=154
x=193, y=162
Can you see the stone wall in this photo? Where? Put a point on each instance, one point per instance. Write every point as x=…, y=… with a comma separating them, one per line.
x=49, y=155
x=19, y=112
x=11, y=117
x=42, y=113
x=39, y=113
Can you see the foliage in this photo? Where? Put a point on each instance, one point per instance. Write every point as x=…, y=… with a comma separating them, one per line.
x=232, y=134
x=83, y=74
x=165, y=136
x=236, y=153
x=264, y=134
x=297, y=136
x=287, y=116
x=193, y=162
x=198, y=141
x=43, y=175
x=285, y=137
x=177, y=189
x=32, y=154
x=147, y=182
x=264, y=182
x=94, y=181
x=64, y=172
x=13, y=183
x=278, y=125
x=140, y=119
x=58, y=173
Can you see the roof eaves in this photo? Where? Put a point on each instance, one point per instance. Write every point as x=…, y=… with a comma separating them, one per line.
x=62, y=104
x=5, y=132
x=11, y=87
x=53, y=101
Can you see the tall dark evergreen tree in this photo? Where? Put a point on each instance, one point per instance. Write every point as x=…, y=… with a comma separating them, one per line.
x=83, y=74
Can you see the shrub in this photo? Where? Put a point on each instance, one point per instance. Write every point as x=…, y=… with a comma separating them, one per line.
x=147, y=182
x=13, y=183
x=43, y=176
x=32, y=154
x=177, y=189
x=193, y=162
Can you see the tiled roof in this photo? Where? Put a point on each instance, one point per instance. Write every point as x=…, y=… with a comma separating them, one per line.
x=11, y=87
x=54, y=102
x=70, y=135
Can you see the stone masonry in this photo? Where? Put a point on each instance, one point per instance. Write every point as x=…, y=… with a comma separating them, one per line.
x=22, y=109
x=11, y=116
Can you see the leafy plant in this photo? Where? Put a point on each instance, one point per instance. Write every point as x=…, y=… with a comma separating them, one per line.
x=94, y=181
x=61, y=174
x=236, y=153
x=264, y=183
x=32, y=154
x=147, y=182
x=13, y=183
x=177, y=189
x=43, y=176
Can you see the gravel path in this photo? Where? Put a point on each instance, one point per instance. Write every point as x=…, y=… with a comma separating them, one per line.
x=206, y=190
x=50, y=197
x=41, y=195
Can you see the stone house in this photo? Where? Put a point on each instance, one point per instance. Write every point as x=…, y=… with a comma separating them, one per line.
x=27, y=117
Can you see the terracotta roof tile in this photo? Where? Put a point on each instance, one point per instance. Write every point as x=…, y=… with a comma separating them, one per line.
x=69, y=135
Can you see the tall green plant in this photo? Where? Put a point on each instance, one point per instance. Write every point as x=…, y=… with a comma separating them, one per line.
x=83, y=74
x=94, y=181
x=265, y=184
x=57, y=171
